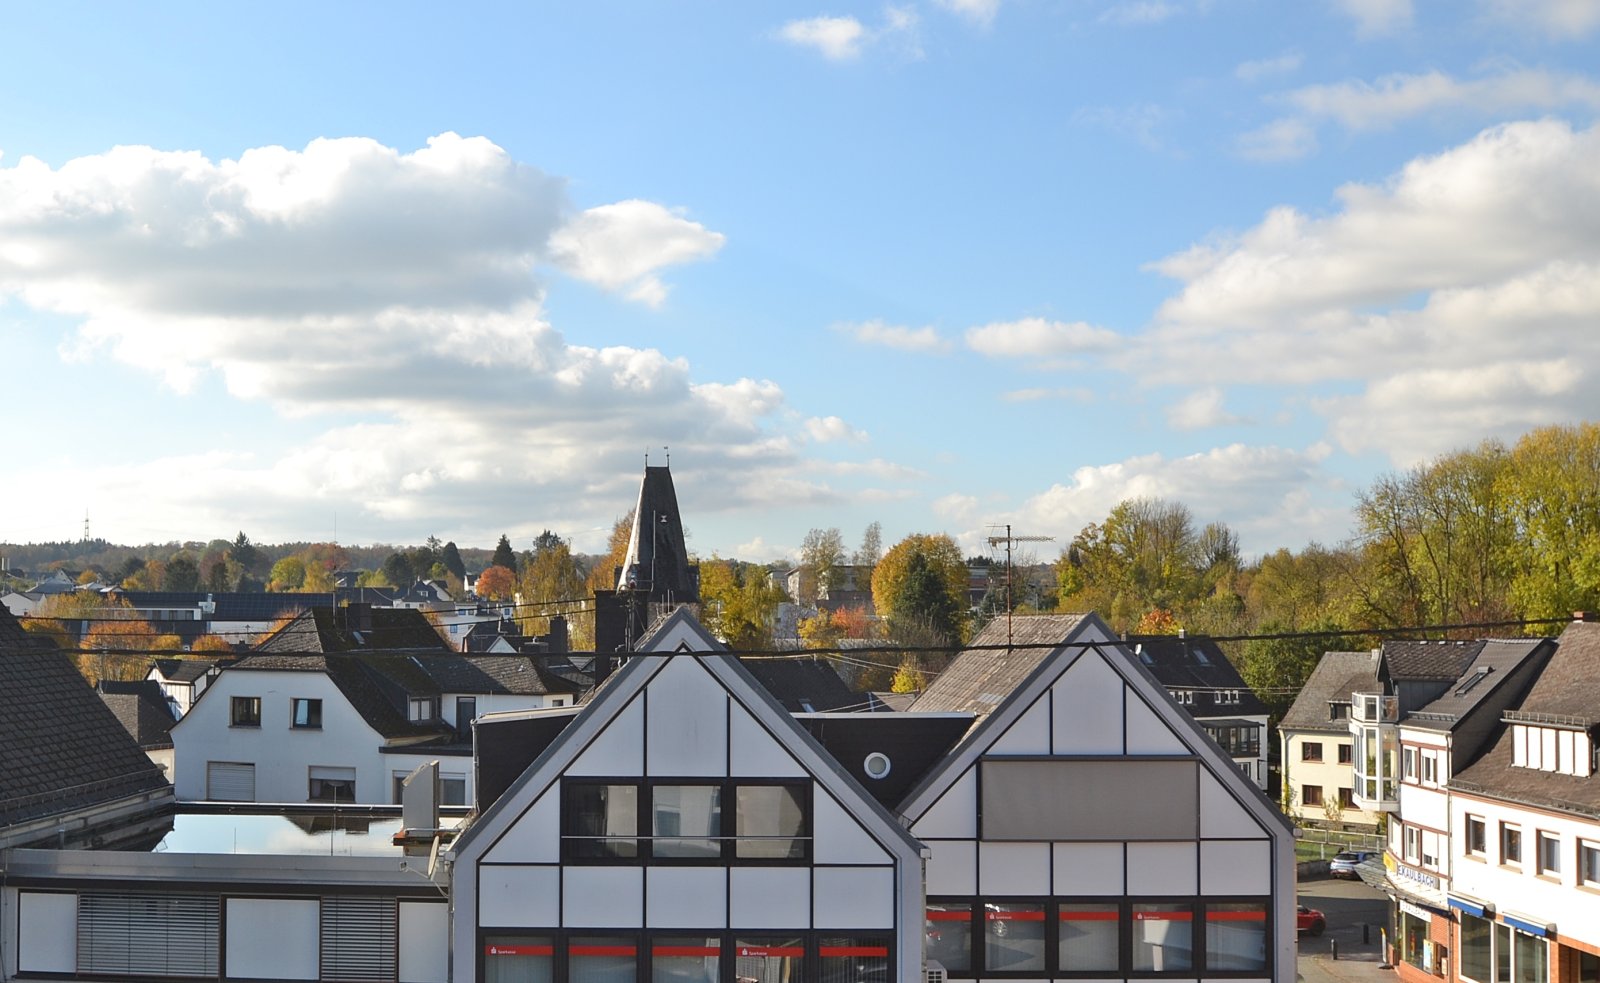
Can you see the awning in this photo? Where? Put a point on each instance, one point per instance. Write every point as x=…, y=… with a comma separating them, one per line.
x=1483, y=909
x=1540, y=928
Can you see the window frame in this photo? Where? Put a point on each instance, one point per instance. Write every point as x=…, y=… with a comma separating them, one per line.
x=1346, y=753
x=727, y=834
x=251, y=718
x=1310, y=801
x=1542, y=837
x=1510, y=833
x=1588, y=869
x=313, y=710
x=1481, y=826
x=1306, y=754
x=558, y=942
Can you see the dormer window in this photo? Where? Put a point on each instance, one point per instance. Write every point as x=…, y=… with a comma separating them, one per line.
x=423, y=709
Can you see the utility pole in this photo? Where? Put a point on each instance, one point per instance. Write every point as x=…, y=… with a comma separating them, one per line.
x=1008, y=540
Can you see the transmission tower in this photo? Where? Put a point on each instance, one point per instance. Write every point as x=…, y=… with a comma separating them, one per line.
x=1009, y=540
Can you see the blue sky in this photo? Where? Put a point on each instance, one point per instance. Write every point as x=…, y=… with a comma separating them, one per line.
x=382, y=272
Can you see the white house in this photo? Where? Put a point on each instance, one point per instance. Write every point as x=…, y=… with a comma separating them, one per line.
x=1317, y=763
x=1088, y=827
x=685, y=827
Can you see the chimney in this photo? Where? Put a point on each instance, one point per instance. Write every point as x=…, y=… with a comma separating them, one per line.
x=558, y=637
x=1583, y=616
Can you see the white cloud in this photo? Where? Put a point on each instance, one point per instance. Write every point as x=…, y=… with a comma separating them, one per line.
x=1254, y=71
x=956, y=508
x=836, y=38
x=1377, y=17
x=1073, y=395
x=621, y=246
x=396, y=297
x=1487, y=254
x=980, y=12
x=1282, y=139
x=1200, y=410
x=1033, y=336
x=1557, y=18
x=906, y=339
x=831, y=429
x=1362, y=105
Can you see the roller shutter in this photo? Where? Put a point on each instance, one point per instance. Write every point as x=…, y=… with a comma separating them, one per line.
x=359, y=939
x=230, y=781
x=148, y=934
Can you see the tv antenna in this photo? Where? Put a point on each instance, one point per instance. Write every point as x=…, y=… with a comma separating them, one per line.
x=1009, y=540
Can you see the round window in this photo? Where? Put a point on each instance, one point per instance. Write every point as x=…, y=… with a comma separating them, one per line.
x=877, y=765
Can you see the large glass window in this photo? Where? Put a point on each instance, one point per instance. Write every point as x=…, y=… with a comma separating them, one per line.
x=1236, y=935
x=846, y=959
x=771, y=822
x=686, y=821
x=1532, y=959
x=601, y=821
x=602, y=959
x=245, y=711
x=758, y=959
x=1013, y=937
x=1163, y=937
x=685, y=960
x=518, y=959
x=1090, y=937
x=1476, y=949
x=949, y=936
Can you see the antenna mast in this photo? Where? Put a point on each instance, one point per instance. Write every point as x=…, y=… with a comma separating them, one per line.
x=1008, y=540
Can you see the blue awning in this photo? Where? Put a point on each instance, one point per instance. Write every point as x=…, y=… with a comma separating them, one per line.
x=1528, y=925
x=1482, y=909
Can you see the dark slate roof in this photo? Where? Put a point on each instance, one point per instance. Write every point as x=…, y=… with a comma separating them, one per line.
x=1443, y=661
x=350, y=629
x=1337, y=675
x=658, y=558
x=13, y=637
x=913, y=742
x=981, y=677
x=805, y=685
x=1493, y=669
x=61, y=748
x=230, y=605
x=506, y=743
x=142, y=709
x=1564, y=691
x=183, y=670
x=1195, y=662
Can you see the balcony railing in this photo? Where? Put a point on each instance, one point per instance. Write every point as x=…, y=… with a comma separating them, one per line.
x=1375, y=708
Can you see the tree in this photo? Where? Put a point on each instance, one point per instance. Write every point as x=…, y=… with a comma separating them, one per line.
x=504, y=555
x=870, y=553
x=1144, y=556
x=935, y=594
x=603, y=575
x=398, y=571
x=821, y=553
x=819, y=631
x=217, y=577
x=183, y=574
x=1277, y=668
x=318, y=581
x=550, y=583
x=211, y=643
x=739, y=602
x=908, y=678
x=450, y=556
x=244, y=553
x=1552, y=490
x=497, y=583
x=288, y=574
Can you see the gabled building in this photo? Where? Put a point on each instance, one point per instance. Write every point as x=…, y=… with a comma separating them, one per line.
x=684, y=826
x=1088, y=827
x=146, y=714
x=1318, y=751
x=183, y=680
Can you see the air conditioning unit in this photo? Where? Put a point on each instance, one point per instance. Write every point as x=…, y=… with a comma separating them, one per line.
x=933, y=971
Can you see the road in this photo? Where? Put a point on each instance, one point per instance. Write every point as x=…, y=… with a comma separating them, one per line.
x=1349, y=905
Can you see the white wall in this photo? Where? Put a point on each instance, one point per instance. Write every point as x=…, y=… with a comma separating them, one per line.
x=1558, y=900
x=1327, y=773
x=283, y=755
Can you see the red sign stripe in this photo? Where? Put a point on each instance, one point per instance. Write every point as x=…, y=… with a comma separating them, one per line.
x=1014, y=916
x=602, y=950
x=1163, y=916
x=1236, y=916
x=1090, y=916
x=771, y=951
x=949, y=916
x=854, y=950
x=499, y=949
x=686, y=950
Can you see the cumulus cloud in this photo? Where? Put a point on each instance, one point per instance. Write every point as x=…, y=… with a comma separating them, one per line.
x=1362, y=105
x=901, y=337
x=831, y=429
x=980, y=12
x=837, y=38
x=1280, y=140
x=1200, y=410
x=1556, y=18
x=398, y=297
x=1377, y=17
x=1035, y=336
x=1487, y=254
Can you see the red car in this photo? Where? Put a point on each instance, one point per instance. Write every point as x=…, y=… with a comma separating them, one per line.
x=1310, y=920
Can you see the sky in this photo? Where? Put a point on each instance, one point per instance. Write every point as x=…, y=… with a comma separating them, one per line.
x=377, y=272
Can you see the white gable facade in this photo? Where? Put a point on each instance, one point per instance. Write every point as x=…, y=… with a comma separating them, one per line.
x=684, y=827
x=1088, y=829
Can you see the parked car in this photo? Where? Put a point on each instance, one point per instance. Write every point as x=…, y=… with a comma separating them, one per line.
x=1310, y=920
x=1344, y=864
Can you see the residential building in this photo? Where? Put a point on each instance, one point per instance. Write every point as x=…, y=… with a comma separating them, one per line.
x=147, y=714
x=183, y=680
x=1317, y=749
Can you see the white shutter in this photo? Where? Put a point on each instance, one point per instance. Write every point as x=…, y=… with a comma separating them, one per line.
x=148, y=934
x=359, y=939
x=230, y=781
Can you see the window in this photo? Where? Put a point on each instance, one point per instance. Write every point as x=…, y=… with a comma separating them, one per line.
x=1475, y=952
x=246, y=711
x=1430, y=768
x=602, y=959
x=1338, y=711
x=307, y=714
x=332, y=784
x=846, y=959
x=949, y=936
x=1090, y=938
x=1510, y=844
x=1236, y=936
x=688, y=822
x=466, y=712
x=1549, y=854
x=423, y=709
x=1311, y=751
x=518, y=959
x=1345, y=756
x=1163, y=937
x=1412, y=839
x=1409, y=758
x=1477, y=837
x=1589, y=863
x=452, y=790
x=685, y=959
x=1347, y=798
x=1014, y=937
x=765, y=958
x=1313, y=795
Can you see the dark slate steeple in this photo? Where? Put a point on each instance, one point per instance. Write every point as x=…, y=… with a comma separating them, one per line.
x=656, y=569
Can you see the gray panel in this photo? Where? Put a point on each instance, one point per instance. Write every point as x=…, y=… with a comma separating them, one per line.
x=1102, y=799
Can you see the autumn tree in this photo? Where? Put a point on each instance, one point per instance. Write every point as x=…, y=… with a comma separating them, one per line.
x=922, y=580
x=211, y=643
x=550, y=583
x=287, y=574
x=821, y=554
x=1551, y=490
x=497, y=583
x=739, y=602
x=870, y=552
x=603, y=575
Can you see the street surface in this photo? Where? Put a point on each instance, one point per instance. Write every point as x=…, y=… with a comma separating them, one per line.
x=1349, y=905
